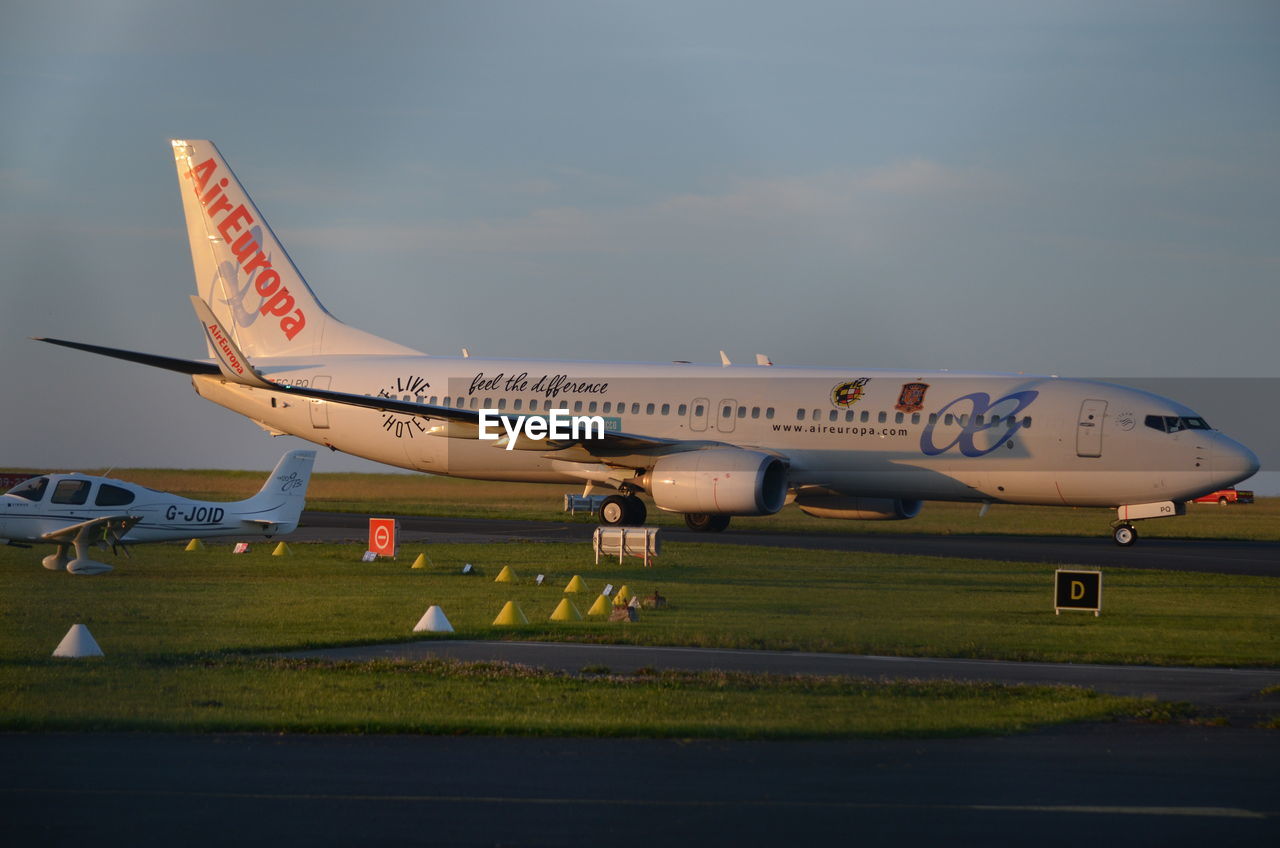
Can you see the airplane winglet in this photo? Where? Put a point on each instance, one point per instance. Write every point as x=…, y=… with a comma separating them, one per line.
x=231, y=361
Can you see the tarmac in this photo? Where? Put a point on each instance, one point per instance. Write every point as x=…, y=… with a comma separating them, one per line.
x=1082, y=784
x=1178, y=784
x=1211, y=556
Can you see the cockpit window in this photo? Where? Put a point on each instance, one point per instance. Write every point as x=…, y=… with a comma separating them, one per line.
x=109, y=495
x=1176, y=423
x=71, y=492
x=32, y=490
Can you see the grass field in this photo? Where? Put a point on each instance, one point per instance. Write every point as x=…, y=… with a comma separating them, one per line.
x=186, y=633
x=421, y=494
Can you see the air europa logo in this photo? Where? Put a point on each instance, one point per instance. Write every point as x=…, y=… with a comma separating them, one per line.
x=276, y=299
x=215, y=332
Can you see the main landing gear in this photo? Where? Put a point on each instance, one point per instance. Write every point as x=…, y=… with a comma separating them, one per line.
x=629, y=511
x=703, y=523
x=622, y=511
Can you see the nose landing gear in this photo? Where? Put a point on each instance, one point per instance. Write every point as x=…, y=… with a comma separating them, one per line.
x=1122, y=528
x=1124, y=534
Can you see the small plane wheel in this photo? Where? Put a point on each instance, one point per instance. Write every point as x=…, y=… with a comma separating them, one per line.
x=614, y=511
x=636, y=511
x=1125, y=535
x=1222, y=501
x=701, y=522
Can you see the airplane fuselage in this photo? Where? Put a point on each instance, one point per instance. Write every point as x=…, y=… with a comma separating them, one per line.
x=163, y=517
x=864, y=433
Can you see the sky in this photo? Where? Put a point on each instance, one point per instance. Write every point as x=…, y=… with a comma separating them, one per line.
x=1074, y=188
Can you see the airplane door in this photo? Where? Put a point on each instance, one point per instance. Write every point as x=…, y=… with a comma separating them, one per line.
x=1089, y=428
x=320, y=408
x=698, y=411
x=724, y=415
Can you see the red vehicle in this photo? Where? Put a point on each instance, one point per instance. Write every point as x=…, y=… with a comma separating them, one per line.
x=9, y=479
x=1226, y=496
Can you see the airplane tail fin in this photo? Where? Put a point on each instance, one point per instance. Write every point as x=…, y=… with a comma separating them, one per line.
x=244, y=274
x=280, y=500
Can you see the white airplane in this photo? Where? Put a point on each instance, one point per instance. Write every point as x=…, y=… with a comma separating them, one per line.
x=75, y=510
x=708, y=441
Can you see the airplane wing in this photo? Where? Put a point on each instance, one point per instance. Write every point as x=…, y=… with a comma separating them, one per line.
x=112, y=527
x=234, y=366
x=614, y=442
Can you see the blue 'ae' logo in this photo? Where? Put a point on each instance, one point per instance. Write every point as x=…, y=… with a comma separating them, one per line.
x=996, y=419
x=288, y=484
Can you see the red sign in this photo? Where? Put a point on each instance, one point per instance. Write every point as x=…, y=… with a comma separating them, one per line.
x=382, y=536
x=10, y=479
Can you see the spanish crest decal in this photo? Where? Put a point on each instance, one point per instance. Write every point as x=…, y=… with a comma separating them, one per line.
x=911, y=398
x=847, y=394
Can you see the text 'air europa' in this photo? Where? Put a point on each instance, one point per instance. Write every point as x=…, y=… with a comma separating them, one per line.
x=230, y=220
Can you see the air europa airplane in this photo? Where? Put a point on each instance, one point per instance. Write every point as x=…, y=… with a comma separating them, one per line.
x=706, y=441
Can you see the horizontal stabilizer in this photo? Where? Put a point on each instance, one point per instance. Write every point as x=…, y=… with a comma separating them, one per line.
x=170, y=363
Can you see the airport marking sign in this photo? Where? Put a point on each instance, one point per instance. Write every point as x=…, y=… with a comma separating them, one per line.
x=1077, y=590
x=382, y=536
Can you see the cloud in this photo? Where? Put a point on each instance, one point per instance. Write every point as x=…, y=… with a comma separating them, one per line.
x=845, y=210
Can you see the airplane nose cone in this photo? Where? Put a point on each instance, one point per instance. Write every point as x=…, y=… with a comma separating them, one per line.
x=1233, y=462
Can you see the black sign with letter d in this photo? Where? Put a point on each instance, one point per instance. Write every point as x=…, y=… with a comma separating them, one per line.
x=1077, y=590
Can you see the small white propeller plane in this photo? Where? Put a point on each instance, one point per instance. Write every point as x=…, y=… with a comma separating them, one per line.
x=77, y=511
x=708, y=441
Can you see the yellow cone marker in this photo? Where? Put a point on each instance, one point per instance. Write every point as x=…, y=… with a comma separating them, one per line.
x=601, y=606
x=566, y=611
x=282, y=550
x=195, y=545
x=506, y=575
x=511, y=615
x=624, y=595
x=420, y=562
x=575, y=585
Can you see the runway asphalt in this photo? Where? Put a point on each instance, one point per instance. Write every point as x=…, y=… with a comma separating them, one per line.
x=1216, y=556
x=1092, y=784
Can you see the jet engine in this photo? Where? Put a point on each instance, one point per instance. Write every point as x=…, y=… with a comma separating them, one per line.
x=718, y=481
x=831, y=505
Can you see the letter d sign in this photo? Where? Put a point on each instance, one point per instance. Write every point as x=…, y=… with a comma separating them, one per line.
x=1077, y=590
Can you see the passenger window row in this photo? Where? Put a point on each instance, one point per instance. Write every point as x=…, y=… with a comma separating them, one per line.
x=590, y=407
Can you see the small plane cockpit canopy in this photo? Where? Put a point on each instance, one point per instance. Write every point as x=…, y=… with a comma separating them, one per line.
x=71, y=492
x=109, y=495
x=32, y=490
x=1176, y=423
